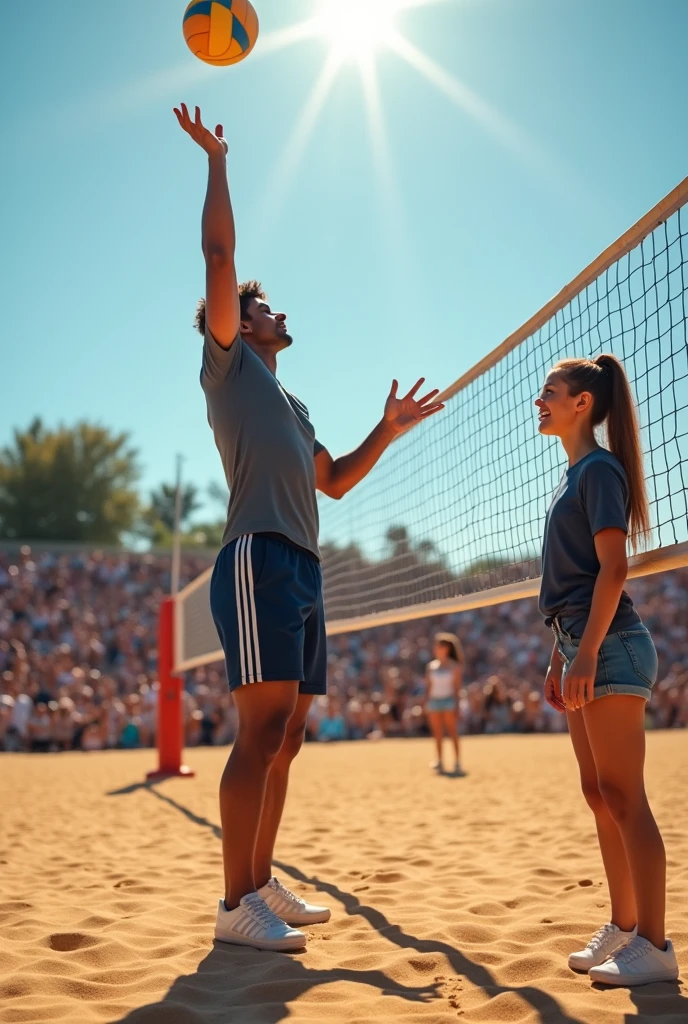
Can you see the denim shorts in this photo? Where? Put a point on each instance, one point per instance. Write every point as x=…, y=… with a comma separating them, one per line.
x=627, y=661
x=441, y=704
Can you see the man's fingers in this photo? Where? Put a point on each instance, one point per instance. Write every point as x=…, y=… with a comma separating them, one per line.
x=394, y=388
x=219, y=131
x=426, y=398
x=197, y=118
x=415, y=388
x=431, y=410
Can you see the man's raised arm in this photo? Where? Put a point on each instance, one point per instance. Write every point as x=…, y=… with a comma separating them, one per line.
x=222, y=309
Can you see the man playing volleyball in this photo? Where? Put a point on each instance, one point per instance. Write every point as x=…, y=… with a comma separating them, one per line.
x=266, y=590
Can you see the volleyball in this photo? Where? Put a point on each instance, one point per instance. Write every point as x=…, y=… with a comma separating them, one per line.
x=220, y=32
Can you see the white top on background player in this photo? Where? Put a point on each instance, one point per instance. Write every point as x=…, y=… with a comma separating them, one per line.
x=443, y=679
x=266, y=591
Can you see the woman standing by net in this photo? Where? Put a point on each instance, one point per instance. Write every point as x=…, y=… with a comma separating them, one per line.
x=602, y=650
x=443, y=679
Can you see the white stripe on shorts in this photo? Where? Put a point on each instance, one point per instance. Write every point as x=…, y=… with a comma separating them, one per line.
x=252, y=599
x=249, y=650
x=237, y=597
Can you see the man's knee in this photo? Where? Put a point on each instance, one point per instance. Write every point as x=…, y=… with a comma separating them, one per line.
x=264, y=739
x=293, y=741
x=295, y=732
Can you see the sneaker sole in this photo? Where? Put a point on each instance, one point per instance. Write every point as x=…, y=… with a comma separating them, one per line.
x=282, y=946
x=626, y=982
x=298, y=922
x=582, y=968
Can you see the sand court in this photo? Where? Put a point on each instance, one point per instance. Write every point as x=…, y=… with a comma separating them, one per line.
x=452, y=899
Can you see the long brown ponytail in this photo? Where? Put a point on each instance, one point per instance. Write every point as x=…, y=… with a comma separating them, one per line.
x=613, y=404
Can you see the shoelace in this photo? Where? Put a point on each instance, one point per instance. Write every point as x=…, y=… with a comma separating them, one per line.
x=601, y=936
x=288, y=895
x=259, y=908
x=633, y=951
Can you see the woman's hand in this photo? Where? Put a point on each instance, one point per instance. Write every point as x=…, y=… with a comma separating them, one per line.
x=579, y=685
x=553, y=687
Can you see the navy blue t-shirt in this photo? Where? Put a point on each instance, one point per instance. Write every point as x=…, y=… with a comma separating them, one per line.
x=592, y=496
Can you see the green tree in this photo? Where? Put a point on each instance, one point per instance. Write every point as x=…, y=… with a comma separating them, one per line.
x=205, y=535
x=162, y=504
x=69, y=484
x=157, y=519
x=398, y=539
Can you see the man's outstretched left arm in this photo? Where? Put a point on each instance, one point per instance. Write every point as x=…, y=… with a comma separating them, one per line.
x=335, y=477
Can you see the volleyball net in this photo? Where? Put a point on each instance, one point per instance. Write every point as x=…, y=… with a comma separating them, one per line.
x=451, y=518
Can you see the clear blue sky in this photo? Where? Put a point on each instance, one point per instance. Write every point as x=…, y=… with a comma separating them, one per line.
x=419, y=269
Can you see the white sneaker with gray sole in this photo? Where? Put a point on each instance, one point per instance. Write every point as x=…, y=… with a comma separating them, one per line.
x=252, y=923
x=604, y=942
x=638, y=963
x=290, y=907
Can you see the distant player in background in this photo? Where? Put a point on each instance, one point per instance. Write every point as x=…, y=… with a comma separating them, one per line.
x=443, y=681
x=604, y=662
x=266, y=589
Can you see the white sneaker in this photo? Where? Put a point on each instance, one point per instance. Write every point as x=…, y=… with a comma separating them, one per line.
x=290, y=907
x=604, y=942
x=252, y=923
x=638, y=963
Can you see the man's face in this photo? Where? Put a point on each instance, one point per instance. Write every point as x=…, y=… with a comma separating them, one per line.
x=265, y=328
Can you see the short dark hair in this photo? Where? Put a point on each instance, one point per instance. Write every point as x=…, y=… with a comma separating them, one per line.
x=248, y=290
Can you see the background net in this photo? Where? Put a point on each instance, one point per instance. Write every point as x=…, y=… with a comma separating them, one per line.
x=457, y=506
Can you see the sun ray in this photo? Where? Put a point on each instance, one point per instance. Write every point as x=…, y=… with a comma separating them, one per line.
x=282, y=38
x=461, y=95
x=526, y=149
x=408, y=5
x=376, y=123
x=392, y=206
x=287, y=164
x=172, y=82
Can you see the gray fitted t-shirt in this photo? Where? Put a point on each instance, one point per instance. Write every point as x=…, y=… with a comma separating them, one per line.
x=267, y=445
x=592, y=496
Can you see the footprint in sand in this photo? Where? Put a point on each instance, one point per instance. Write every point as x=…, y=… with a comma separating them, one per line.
x=67, y=942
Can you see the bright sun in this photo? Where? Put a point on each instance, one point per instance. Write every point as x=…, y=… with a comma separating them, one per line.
x=357, y=28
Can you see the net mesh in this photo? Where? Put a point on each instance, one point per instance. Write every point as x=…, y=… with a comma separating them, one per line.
x=456, y=506
x=196, y=639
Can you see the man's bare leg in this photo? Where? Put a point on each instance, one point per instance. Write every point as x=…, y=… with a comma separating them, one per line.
x=276, y=790
x=265, y=710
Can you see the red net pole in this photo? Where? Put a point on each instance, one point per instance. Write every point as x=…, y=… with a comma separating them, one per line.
x=170, y=712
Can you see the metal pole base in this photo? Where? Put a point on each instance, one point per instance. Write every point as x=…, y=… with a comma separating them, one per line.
x=183, y=772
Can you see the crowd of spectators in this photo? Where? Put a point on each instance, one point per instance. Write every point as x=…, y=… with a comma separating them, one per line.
x=78, y=661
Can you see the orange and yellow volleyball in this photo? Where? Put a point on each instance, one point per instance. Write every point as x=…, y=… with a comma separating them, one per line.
x=220, y=32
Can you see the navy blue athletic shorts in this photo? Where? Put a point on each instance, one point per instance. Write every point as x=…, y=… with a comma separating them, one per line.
x=267, y=603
